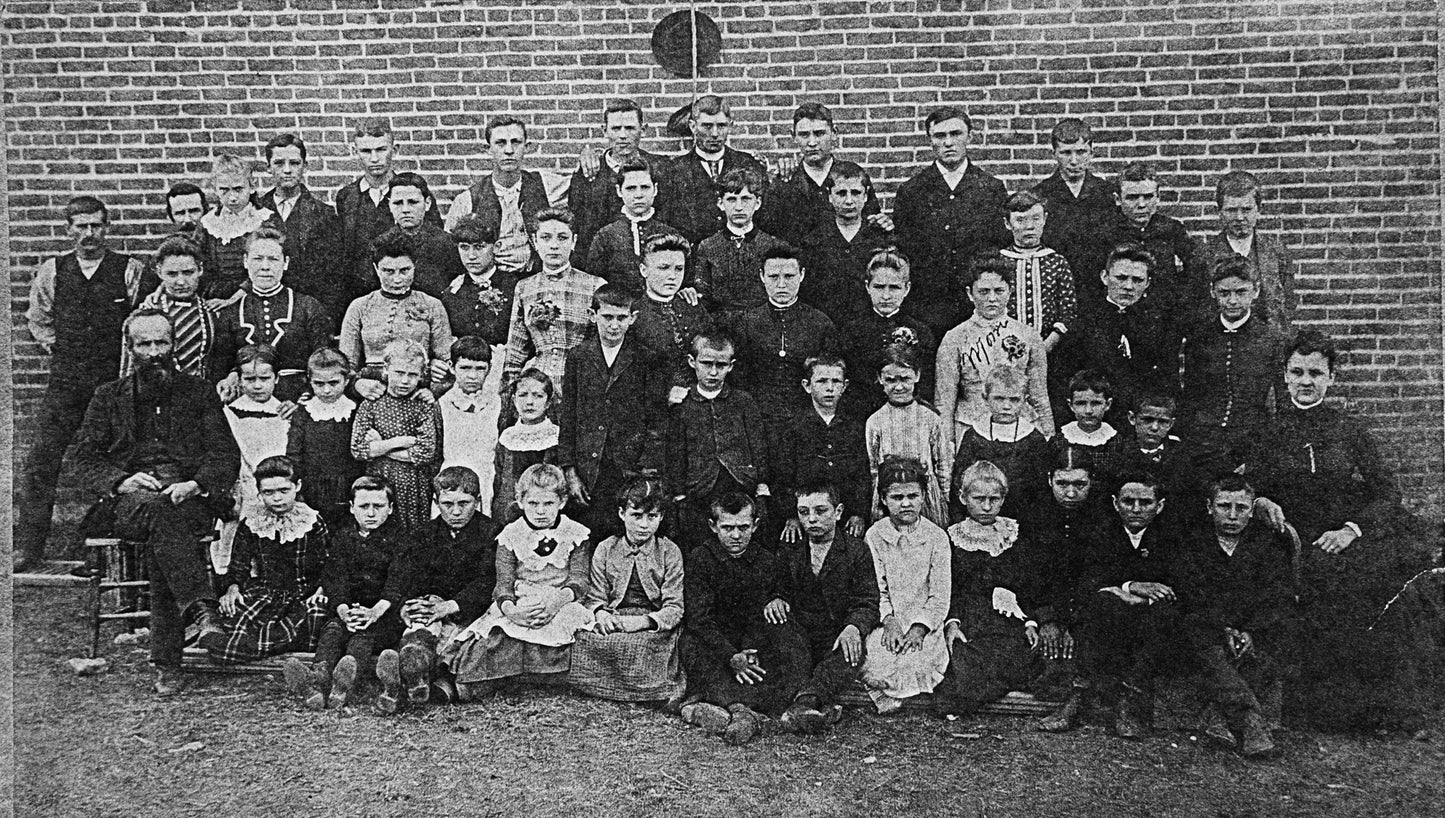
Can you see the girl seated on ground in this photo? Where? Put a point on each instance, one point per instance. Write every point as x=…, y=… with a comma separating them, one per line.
x=907, y=655
x=635, y=593
x=536, y=609
x=273, y=601
x=991, y=646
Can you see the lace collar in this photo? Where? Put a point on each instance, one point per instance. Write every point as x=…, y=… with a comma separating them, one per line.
x=293, y=526
x=971, y=535
x=228, y=226
x=1073, y=434
x=539, y=547
x=534, y=437
x=339, y=409
x=250, y=406
x=1003, y=432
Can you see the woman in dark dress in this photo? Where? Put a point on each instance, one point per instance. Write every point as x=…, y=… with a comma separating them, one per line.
x=1367, y=647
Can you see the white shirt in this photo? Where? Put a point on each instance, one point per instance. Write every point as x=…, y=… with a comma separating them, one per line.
x=1242, y=246
x=953, y=177
x=1231, y=326
x=609, y=354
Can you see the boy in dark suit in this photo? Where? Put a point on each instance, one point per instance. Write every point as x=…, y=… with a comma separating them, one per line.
x=614, y=251
x=613, y=395
x=313, y=232
x=687, y=196
x=727, y=263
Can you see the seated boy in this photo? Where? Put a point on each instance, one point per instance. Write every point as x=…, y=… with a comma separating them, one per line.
x=775, y=339
x=470, y=413
x=715, y=441
x=735, y=657
x=1235, y=593
x=613, y=396
x=617, y=247
x=364, y=618
x=836, y=253
x=1126, y=622
x=446, y=578
x=825, y=446
x=866, y=336
x=666, y=319
x=726, y=264
x=830, y=589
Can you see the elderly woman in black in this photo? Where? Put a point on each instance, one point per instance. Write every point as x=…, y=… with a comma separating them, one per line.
x=1361, y=657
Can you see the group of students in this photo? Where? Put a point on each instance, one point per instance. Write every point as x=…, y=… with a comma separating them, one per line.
x=735, y=472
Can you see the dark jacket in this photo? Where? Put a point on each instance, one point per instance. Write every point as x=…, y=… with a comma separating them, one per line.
x=835, y=281
x=772, y=346
x=1227, y=376
x=488, y=207
x=460, y=565
x=294, y=323
x=707, y=437
x=1054, y=542
x=190, y=439
x=1110, y=560
x=358, y=568
x=1177, y=284
x=814, y=452
x=687, y=195
x=843, y=593
x=313, y=245
x=727, y=271
x=1076, y=225
x=864, y=338
x=725, y=595
x=611, y=254
x=611, y=414
x=1135, y=348
x=1273, y=264
x=667, y=330
x=88, y=317
x=941, y=230
x=470, y=315
x=1249, y=591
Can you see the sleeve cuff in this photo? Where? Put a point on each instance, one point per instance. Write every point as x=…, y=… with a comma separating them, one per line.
x=1355, y=528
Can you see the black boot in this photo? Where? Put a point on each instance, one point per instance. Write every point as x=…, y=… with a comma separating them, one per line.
x=1066, y=717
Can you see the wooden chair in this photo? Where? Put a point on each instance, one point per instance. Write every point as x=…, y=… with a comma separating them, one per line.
x=119, y=568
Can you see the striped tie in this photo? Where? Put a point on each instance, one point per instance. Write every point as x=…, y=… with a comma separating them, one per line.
x=190, y=329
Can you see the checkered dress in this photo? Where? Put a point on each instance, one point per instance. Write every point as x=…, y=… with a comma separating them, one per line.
x=277, y=570
x=549, y=317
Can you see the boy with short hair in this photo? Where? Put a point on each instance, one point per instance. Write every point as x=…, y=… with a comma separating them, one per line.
x=613, y=395
x=615, y=249
x=1154, y=449
x=1230, y=365
x=311, y=227
x=825, y=445
x=666, y=319
x=470, y=413
x=1124, y=336
x=736, y=658
x=363, y=618
x=837, y=250
x=688, y=199
x=715, y=441
x=727, y=263
x=1091, y=399
x=830, y=589
x=1080, y=203
x=1176, y=287
x=594, y=199
x=1238, y=196
x=866, y=336
x=445, y=579
x=509, y=197
x=362, y=208
x=799, y=204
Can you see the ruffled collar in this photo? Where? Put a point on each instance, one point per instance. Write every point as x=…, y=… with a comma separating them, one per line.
x=538, y=547
x=294, y=525
x=1073, y=434
x=1003, y=432
x=228, y=226
x=339, y=409
x=530, y=437
x=995, y=539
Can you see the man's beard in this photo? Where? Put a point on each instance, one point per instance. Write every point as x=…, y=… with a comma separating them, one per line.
x=153, y=374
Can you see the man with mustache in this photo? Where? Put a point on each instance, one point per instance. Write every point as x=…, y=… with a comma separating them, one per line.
x=687, y=192
x=77, y=305
x=156, y=444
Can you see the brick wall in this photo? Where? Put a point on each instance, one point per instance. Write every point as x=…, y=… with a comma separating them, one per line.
x=1333, y=104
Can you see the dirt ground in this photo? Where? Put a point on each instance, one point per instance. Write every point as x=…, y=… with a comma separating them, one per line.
x=236, y=745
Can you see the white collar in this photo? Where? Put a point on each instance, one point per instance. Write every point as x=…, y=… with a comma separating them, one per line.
x=533, y=437
x=1243, y=246
x=1234, y=325
x=736, y=233
x=339, y=409
x=654, y=299
x=246, y=404
x=609, y=354
x=889, y=315
x=1136, y=539
x=970, y=535
x=1003, y=432
x=1306, y=406
x=952, y=177
x=636, y=220
x=1073, y=434
x=457, y=399
x=1021, y=253
x=717, y=157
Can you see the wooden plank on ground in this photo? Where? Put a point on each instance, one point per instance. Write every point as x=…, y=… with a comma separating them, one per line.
x=54, y=573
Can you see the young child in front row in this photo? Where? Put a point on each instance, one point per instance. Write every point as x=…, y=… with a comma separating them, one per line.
x=906, y=428
x=362, y=620
x=470, y=413
x=445, y=580
x=715, y=442
x=319, y=442
x=1006, y=439
x=635, y=593
x=906, y=656
x=260, y=432
x=396, y=434
x=536, y=607
x=531, y=440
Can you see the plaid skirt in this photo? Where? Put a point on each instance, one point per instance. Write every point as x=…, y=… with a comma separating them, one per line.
x=628, y=667
x=270, y=621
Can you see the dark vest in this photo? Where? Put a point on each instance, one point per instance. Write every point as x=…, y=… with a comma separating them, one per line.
x=486, y=205
x=88, y=317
